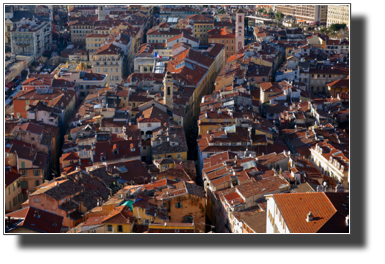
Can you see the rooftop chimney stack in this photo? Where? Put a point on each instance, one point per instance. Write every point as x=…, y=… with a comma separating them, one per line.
x=309, y=217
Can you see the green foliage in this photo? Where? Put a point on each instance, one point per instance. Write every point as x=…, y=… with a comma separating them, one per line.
x=221, y=11
x=279, y=16
x=322, y=30
x=337, y=27
x=205, y=6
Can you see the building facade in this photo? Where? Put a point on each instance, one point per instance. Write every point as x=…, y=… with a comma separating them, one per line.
x=31, y=37
x=305, y=13
x=338, y=14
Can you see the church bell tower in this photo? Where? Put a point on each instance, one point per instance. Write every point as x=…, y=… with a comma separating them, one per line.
x=168, y=90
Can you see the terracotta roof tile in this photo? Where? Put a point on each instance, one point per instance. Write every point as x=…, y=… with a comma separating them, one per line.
x=37, y=220
x=327, y=209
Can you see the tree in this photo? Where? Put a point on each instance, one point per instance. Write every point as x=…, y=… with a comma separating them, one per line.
x=322, y=30
x=278, y=16
x=337, y=27
x=203, y=13
x=221, y=11
x=260, y=10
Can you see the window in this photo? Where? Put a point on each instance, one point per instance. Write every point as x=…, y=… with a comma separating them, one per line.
x=36, y=172
x=109, y=228
x=117, y=69
x=159, y=157
x=178, y=156
x=36, y=200
x=9, y=190
x=120, y=228
x=149, y=125
x=24, y=184
x=23, y=164
x=13, y=186
x=178, y=205
x=37, y=183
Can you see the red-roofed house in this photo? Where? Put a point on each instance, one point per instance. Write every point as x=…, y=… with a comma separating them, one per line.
x=183, y=38
x=316, y=212
x=33, y=220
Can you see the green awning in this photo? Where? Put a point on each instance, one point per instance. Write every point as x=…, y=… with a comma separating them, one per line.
x=129, y=204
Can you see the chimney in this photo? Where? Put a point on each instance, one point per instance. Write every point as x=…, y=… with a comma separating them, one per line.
x=309, y=217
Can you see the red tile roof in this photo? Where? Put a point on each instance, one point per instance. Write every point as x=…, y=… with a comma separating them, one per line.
x=43, y=222
x=327, y=209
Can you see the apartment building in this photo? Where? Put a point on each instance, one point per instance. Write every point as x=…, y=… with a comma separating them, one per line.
x=81, y=27
x=108, y=59
x=338, y=14
x=305, y=13
x=331, y=162
x=95, y=41
x=31, y=37
x=202, y=24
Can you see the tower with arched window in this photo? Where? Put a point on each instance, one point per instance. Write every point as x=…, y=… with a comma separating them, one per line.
x=239, y=30
x=101, y=12
x=168, y=90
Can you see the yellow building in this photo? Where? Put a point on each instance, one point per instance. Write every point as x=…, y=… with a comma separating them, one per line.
x=170, y=155
x=95, y=41
x=202, y=24
x=214, y=120
x=224, y=36
x=108, y=59
x=338, y=87
x=13, y=195
x=172, y=228
x=119, y=220
x=169, y=144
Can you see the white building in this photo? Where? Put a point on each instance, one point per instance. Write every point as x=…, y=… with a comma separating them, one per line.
x=31, y=37
x=338, y=14
x=331, y=162
x=316, y=212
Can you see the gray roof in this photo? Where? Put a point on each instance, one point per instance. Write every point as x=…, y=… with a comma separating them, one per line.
x=18, y=15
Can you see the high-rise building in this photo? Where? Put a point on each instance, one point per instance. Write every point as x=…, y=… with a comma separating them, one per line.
x=338, y=14
x=305, y=13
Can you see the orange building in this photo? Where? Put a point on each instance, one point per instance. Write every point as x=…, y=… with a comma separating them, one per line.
x=186, y=203
x=225, y=36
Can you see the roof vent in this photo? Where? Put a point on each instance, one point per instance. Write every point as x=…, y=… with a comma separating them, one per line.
x=309, y=217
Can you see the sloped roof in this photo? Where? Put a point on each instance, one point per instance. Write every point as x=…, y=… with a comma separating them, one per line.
x=327, y=210
x=37, y=220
